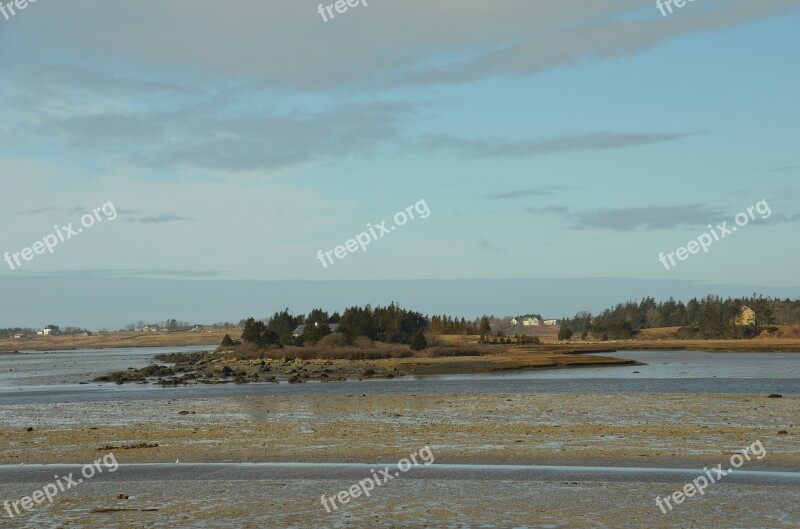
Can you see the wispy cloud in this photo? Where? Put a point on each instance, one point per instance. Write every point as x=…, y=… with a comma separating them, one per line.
x=545, y=190
x=497, y=148
x=489, y=247
x=39, y=211
x=189, y=137
x=520, y=193
x=647, y=218
x=596, y=31
x=786, y=168
x=159, y=219
x=151, y=273
x=781, y=218
x=650, y=218
x=560, y=210
x=150, y=120
x=490, y=39
x=636, y=218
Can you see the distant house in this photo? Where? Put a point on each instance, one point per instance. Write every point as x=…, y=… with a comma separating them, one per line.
x=150, y=328
x=300, y=328
x=87, y=333
x=534, y=322
x=196, y=328
x=746, y=316
x=18, y=336
x=50, y=329
x=514, y=321
x=551, y=322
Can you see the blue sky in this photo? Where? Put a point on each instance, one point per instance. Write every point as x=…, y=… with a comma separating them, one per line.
x=550, y=140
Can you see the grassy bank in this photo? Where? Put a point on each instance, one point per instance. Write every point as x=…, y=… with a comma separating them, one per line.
x=111, y=340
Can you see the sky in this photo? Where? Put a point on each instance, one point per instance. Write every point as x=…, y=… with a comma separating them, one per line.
x=546, y=150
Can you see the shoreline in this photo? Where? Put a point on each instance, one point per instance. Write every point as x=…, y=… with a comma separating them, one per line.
x=213, y=338
x=221, y=368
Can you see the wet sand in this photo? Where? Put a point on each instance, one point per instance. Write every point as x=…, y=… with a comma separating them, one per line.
x=542, y=428
x=408, y=503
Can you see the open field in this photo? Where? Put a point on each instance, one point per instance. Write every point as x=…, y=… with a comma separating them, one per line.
x=113, y=339
x=662, y=338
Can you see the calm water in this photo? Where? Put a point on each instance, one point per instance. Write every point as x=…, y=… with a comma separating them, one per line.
x=53, y=377
x=41, y=368
x=673, y=364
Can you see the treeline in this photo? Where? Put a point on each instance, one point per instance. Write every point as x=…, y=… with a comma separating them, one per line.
x=449, y=325
x=8, y=332
x=390, y=324
x=27, y=331
x=707, y=318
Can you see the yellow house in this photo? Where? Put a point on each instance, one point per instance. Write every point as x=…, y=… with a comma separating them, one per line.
x=747, y=316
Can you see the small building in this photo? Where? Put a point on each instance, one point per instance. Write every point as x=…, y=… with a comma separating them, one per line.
x=150, y=328
x=531, y=322
x=197, y=328
x=746, y=317
x=551, y=323
x=19, y=336
x=87, y=333
x=50, y=329
x=514, y=322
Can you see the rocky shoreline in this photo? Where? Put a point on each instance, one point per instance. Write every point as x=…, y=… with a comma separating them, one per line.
x=219, y=367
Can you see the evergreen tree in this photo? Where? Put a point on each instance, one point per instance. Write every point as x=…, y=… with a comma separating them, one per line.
x=484, y=327
x=418, y=341
x=316, y=326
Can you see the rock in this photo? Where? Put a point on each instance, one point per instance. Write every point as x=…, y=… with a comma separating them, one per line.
x=774, y=396
x=783, y=432
x=29, y=429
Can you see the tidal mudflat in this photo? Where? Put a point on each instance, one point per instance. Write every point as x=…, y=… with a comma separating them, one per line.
x=331, y=424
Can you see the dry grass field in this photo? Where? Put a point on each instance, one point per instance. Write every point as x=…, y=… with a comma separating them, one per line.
x=112, y=340
x=662, y=338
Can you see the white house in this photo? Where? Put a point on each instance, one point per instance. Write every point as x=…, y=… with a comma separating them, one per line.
x=50, y=329
x=514, y=321
x=535, y=322
x=551, y=322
